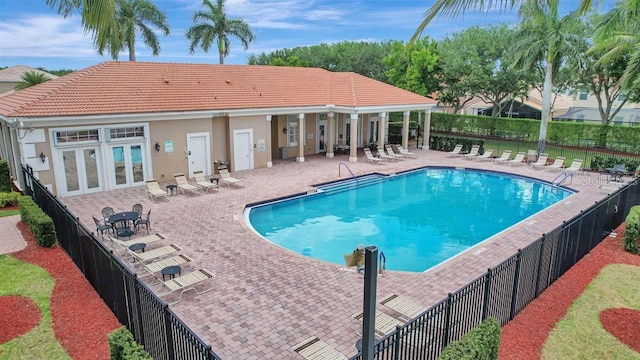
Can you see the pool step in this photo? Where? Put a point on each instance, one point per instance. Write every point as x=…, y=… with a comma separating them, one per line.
x=352, y=183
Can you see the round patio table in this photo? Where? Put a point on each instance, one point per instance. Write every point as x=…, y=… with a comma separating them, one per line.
x=170, y=271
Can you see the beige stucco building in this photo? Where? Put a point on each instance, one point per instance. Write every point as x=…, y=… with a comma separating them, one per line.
x=118, y=124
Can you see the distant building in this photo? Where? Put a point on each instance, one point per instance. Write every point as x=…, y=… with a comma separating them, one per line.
x=529, y=107
x=585, y=109
x=12, y=76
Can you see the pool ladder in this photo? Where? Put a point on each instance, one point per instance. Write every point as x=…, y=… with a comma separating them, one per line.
x=561, y=178
x=351, y=172
x=382, y=263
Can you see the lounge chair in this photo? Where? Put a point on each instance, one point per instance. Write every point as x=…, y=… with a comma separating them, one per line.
x=506, y=156
x=202, y=182
x=124, y=245
x=187, y=282
x=368, y=156
x=316, y=349
x=403, y=306
x=154, y=191
x=475, y=149
x=487, y=155
x=403, y=151
x=228, y=180
x=184, y=185
x=576, y=165
x=155, y=254
x=389, y=152
x=384, y=324
x=542, y=161
x=518, y=160
x=558, y=163
x=157, y=266
x=456, y=151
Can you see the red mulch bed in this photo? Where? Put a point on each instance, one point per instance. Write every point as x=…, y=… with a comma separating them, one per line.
x=23, y=316
x=524, y=336
x=81, y=320
x=624, y=324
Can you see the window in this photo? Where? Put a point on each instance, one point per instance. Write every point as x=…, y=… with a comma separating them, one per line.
x=622, y=96
x=583, y=94
x=77, y=136
x=292, y=130
x=126, y=132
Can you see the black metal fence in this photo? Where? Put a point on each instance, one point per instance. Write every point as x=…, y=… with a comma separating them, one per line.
x=148, y=318
x=503, y=291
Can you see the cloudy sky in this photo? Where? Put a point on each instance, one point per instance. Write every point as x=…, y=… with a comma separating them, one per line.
x=33, y=34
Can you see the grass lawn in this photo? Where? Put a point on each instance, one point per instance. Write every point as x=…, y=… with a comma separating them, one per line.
x=4, y=213
x=580, y=335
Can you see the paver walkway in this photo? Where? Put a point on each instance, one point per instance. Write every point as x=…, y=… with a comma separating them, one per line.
x=11, y=239
x=267, y=299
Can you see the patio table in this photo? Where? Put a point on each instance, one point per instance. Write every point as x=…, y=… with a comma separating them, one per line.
x=128, y=217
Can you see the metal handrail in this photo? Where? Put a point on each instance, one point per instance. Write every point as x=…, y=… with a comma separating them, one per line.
x=566, y=176
x=382, y=263
x=351, y=172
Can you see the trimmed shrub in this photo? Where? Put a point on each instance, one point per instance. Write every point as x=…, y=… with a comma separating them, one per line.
x=481, y=343
x=5, y=177
x=443, y=143
x=632, y=231
x=9, y=198
x=40, y=224
x=123, y=347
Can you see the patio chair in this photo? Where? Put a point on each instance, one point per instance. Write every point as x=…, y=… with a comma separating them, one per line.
x=228, y=180
x=368, y=156
x=576, y=165
x=154, y=191
x=101, y=228
x=532, y=156
x=137, y=208
x=518, y=160
x=506, y=156
x=384, y=324
x=202, y=182
x=558, y=163
x=315, y=349
x=390, y=152
x=155, y=254
x=187, y=282
x=403, y=151
x=144, y=221
x=456, y=151
x=487, y=155
x=542, y=161
x=475, y=149
x=184, y=185
x=407, y=308
x=106, y=212
x=122, y=245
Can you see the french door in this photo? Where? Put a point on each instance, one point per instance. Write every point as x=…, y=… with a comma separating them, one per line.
x=82, y=170
x=126, y=165
x=321, y=131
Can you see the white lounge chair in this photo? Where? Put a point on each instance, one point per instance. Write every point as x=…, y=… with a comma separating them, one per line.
x=475, y=149
x=404, y=151
x=187, y=282
x=519, y=159
x=558, y=164
x=316, y=349
x=456, y=151
x=389, y=152
x=407, y=308
x=155, y=254
x=184, y=185
x=384, y=324
x=368, y=156
x=542, y=161
x=228, y=180
x=157, y=266
x=202, y=182
x=124, y=245
x=486, y=156
x=506, y=156
x=576, y=165
x=154, y=191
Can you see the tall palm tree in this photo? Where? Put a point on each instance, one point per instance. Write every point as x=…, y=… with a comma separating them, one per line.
x=546, y=37
x=619, y=34
x=31, y=78
x=135, y=16
x=213, y=24
x=453, y=8
x=98, y=18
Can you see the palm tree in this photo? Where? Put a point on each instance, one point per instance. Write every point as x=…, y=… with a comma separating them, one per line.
x=31, y=78
x=619, y=34
x=98, y=18
x=545, y=37
x=453, y=8
x=133, y=16
x=213, y=24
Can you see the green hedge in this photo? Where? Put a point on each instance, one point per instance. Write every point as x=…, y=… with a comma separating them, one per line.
x=9, y=198
x=123, y=347
x=481, y=343
x=444, y=143
x=41, y=224
x=632, y=231
x=5, y=177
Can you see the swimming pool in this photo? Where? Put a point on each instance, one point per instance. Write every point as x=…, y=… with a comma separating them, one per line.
x=418, y=219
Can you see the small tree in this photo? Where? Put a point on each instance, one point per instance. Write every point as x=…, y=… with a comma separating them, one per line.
x=31, y=78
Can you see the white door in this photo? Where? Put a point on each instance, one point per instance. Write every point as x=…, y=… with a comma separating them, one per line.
x=82, y=171
x=242, y=149
x=198, y=153
x=126, y=165
x=321, y=145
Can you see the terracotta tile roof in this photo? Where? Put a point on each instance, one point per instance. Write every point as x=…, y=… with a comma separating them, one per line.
x=142, y=87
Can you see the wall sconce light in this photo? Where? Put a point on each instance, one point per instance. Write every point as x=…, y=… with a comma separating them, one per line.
x=43, y=157
x=284, y=130
x=157, y=146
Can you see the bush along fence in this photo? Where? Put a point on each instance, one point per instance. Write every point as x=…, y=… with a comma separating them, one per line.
x=40, y=224
x=504, y=290
x=153, y=325
x=632, y=231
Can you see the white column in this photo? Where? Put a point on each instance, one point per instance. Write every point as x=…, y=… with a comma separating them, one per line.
x=382, y=127
x=427, y=129
x=269, y=140
x=300, y=157
x=405, y=129
x=353, y=143
x=330, y=134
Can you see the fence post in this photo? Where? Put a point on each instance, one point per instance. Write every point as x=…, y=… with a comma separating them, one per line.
x=487, y=294
x=579, y=240
x=539, y=270
x=447, y=320
x=168, y=331
x=136, y=289
x=516, y=283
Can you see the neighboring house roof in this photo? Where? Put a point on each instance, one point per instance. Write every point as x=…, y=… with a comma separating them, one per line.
x=14, y=73
x=593, y=114
x=533, y=100
x=142, y=87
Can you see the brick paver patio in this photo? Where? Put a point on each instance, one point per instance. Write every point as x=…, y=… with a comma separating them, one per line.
x=266, y=299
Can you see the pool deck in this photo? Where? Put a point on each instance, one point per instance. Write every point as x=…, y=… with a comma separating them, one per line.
x=266, y=299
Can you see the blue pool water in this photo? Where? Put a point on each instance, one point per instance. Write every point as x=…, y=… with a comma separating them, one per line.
x=418, y=219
